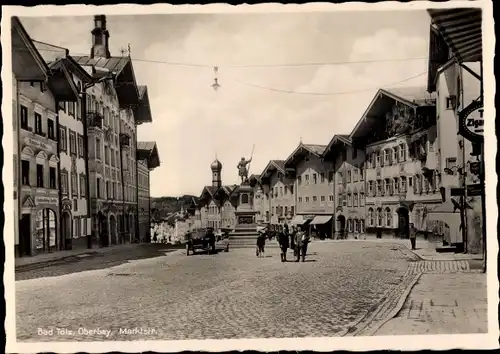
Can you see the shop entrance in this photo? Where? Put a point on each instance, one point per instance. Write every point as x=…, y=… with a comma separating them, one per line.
x=25, y=235
x=403, y=223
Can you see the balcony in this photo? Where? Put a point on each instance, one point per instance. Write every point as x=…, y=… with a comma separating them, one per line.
x=94, y=119
x=124, y=140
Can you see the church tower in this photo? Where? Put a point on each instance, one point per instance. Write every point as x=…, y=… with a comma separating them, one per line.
x=100, y=38
x=216, y=173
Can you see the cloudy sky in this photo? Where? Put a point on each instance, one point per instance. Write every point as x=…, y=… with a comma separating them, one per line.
x=192, y=123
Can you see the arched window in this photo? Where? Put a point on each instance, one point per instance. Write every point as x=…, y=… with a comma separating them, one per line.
x=395, y=157
x=403, y=184
x=402, y=152
x=388, y=217
x=349, y=225
x=380, y=217
x=371, y=219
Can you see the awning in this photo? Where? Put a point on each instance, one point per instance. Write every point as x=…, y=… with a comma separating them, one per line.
x=298, y=220
x=321, y=219
x=461, y=30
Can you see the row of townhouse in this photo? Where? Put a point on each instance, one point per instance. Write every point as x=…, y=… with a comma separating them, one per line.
x=81, y=178
x=402, y=164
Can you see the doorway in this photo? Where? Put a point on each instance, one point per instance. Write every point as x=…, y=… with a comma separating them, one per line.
x=25, y=235
x=66, y=231
x=112, y=228
x=341, y=226
x=403, y=223
x=102, y=229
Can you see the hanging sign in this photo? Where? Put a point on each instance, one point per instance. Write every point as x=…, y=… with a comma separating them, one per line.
x=471, y=122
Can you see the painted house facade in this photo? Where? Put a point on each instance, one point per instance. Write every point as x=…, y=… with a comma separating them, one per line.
x=313, y=188
x=398, y=133
x=348, y=186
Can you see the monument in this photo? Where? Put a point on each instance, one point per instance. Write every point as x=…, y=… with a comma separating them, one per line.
x=245, y=231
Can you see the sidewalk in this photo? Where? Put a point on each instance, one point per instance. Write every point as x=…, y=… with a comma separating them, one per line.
x=442, y=304
x=426, y=250
x=62, y=256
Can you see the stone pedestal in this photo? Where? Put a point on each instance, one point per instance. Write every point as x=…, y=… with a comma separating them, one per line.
x=245, y=231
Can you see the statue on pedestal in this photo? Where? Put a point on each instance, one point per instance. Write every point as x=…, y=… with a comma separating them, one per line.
x=242, y=169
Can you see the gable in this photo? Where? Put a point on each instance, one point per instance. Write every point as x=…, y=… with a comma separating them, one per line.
x=28, y=202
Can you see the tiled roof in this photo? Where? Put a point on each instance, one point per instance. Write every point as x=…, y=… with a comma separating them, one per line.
x=279, y=163
x=317, y=149
x=417, y=95
x=146, y=145
x=113, y=64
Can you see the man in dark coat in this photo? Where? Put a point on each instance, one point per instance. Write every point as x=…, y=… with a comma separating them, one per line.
x=284, y=243
x=211, y=239
x=301, y=242
x=413, y=236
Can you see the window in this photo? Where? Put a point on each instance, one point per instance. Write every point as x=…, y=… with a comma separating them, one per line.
x=300, y=199
x=25, y=172
x=38, y=124
x=322, y=177
x=315, y=199
x=387, y=188
x=299, y=180
x=307, y=180
x=72, y=142
x=74, y=185
x=355, y=175
x=378, y=158
x=64, y=183
x=63, y=143
x=450, y=102
x=80, y=146
x=108, y=190
x=112, y=153
x=402, y=152
x=106, y=155
x=98, y=149
x=380, y=216
x=307, y=199
x=24, y=117
x=291, y=189
x=379, y=187
x=330, y=198
x=281, y=191
x=355, y=199
x=52, y=178
x=78, y=110
x=39, y=176
x=396, y=184
x=349, y=176
x=370, y=188
x=349, y=199
x=371, y=219
x=323, y=198
x=315, y=178
x=83, y=186
x=292, y=210
x=361, y=199
x=395, y=155
x=388, y=217
x=403, y=184
x=50, y=129
x=71, y=108
x=75, y=204
x=62, y=106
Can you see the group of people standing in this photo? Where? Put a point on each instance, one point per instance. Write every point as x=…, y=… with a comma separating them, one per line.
x=288, y=237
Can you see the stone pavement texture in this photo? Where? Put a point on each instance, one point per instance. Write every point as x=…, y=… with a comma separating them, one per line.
x=336, y=292
x=442, y=304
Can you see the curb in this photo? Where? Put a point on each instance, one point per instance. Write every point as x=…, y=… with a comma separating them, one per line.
x=396, y=309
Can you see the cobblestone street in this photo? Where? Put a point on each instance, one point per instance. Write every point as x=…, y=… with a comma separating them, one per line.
x=227, y=295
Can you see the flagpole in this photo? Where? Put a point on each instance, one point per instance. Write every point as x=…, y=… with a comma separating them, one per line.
x=251, y=155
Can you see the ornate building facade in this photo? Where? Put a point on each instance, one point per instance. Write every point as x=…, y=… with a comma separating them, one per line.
x=398, y=133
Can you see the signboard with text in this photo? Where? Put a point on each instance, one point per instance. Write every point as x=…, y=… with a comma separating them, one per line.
x=471, y=122
x=46, y=200
x=38, y=144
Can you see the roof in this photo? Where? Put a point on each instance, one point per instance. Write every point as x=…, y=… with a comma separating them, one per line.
x=461, y=30
x=383, y=99
x=113, y=64
x=149, y=151
x=27, y=62
x=143, y=112
x=343, y=139
x=273, y=166
x=302, y=149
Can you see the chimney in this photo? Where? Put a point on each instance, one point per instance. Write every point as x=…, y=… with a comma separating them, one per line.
x=100, y=38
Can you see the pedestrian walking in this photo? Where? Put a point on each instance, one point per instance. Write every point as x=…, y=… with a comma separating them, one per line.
x=261, y=244
x=413, y=237
x=284, y=243
x=292, y=238
x=301, y=242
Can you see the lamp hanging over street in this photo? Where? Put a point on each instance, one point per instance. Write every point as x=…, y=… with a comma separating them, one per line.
x=216, y=85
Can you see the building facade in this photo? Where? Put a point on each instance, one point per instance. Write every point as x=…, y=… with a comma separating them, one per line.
x=348, y=182
x=313, y=188
x=38, y=89
x=455, y=76
x=147, y=160
x=402, y=179
x=279, y=193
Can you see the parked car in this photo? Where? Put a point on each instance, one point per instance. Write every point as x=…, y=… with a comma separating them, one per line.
x=222, y=242
x=200, y=240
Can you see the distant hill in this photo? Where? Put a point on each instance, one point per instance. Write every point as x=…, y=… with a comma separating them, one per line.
x=163, y=206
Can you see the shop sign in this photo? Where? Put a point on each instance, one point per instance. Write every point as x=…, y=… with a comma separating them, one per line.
x=474, y=190
x=38, y=144
x=471, y=122
x=46, y=200
x=475, y=167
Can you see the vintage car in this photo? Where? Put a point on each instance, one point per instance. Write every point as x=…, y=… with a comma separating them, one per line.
x=200, y=241
x=222, y=242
